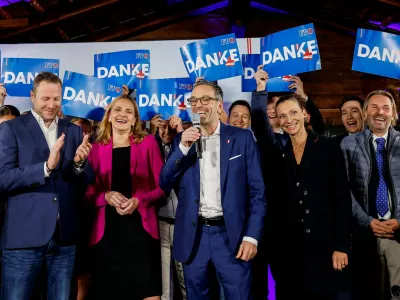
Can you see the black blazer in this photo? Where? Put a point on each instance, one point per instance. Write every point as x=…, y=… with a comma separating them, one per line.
x=311, y=214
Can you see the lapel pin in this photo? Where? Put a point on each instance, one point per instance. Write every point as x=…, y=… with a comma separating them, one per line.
x=227, y=141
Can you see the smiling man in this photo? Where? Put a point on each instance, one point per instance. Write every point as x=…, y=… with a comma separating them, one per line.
x=351, y=114
x=220, y=214
x=373, y=159
x=239, y=114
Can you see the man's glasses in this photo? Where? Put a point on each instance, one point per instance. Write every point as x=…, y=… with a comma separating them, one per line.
x=203, y=100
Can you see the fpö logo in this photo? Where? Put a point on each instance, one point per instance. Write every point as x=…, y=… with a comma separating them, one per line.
x=306, y=32
x=185, y=86
x=228, y=41
x=50, y=65
x=113, y=88
x=142, y=55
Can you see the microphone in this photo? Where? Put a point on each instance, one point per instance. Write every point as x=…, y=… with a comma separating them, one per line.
x=196, y=124
x=396, y=292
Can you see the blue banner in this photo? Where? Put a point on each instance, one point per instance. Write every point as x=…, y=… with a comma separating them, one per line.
x=131, y=68
x=18, y=74
x=167, y=97
x=377, y=53
x=250, y=64
x=291, y=51
x=214, y=58
x=86, y=96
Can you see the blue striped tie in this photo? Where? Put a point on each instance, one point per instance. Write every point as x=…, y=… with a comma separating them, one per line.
x=382, y=203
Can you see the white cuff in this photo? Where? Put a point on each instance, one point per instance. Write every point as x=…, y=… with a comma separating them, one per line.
x=46, y=174
x=251, y=240
x=184, y=149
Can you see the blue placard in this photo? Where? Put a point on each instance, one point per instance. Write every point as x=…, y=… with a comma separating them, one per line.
x=214, y=58
x=250, y=64
x=131, y=67
x=291, y=51
x=86, y=96
x=18, y=74
x=377, y=53
x=167, y=97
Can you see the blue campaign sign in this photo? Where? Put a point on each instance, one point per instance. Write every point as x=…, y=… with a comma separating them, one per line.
x=377, y=53
x=167, y=97
x=86, y=96
x=214, y=58
x=291, y=51
x=131, y=67
x=18, y=74
x=250, y=63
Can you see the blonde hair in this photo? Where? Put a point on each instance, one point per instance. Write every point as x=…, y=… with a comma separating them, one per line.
x=395, y=117
x=105, y=131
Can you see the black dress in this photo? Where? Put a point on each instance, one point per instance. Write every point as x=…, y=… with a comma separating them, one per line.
x=127, y=259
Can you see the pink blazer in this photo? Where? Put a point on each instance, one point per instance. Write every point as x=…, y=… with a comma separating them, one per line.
x=146, y=164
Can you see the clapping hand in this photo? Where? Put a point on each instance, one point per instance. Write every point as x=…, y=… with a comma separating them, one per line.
x=83, y=150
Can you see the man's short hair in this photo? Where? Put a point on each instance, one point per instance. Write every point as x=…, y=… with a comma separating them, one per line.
x=7, y=110
x=351, y=98
x=218, y=91
x=389, y=96
x=240, y=102
x=47, y=77
x=277, y=94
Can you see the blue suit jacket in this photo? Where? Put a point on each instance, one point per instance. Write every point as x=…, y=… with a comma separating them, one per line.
x=34, y=201
x=242, y=189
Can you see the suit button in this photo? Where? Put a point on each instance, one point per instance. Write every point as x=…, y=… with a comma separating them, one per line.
x=300, y=202
x=194, y=223
x=308, y=230
x=297, y=183
x=302, y=220
x=305, y=193
x=54, y=199
x=307, y=211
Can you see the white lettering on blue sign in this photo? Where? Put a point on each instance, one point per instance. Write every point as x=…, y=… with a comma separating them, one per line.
x=292, y=52
x=384, y=54
x=226, y=57
x=123, y=70
x=20, y=77
x=165, y=100
x=95, y=99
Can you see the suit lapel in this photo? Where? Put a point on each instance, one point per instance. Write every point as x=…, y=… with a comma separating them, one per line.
x=37, y=134
x=62, y=127
x=312, y=139
x=226, y=143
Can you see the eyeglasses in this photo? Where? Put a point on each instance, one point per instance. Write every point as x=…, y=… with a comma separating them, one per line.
x=203, y=100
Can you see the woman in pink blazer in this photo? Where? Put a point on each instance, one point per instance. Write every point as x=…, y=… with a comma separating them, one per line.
x=125, y=237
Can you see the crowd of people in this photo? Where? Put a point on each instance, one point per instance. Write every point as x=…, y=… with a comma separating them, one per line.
x=121, y=210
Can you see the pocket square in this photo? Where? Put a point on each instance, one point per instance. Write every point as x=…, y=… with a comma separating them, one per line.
x=235, y=156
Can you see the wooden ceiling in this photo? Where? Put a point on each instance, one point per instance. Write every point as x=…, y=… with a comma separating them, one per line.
x=57, y=21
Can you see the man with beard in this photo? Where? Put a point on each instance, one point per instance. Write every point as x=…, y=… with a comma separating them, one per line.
x=373, y=160
x=220, y=214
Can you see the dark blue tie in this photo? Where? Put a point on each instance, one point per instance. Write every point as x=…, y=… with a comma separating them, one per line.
x=382, y=200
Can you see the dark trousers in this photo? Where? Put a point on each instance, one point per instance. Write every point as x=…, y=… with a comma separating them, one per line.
x=212, y=250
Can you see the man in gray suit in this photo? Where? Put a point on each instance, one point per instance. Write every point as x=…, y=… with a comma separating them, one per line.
x=373, y=162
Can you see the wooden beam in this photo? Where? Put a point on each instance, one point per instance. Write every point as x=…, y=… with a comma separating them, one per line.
x=13, y=23
x=59, y=18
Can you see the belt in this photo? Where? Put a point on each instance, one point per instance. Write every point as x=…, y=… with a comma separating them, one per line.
x=170, y=221
x=217, y=221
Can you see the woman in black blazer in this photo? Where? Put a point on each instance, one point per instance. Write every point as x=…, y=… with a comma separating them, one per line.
x=310, y=226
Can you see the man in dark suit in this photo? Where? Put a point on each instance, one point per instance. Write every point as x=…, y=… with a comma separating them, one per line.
x=221, y=204
x=42, y=158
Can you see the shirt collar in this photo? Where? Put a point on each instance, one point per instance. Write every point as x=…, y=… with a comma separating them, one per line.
x=385, y=136
x=41, y=121
x=217, y=130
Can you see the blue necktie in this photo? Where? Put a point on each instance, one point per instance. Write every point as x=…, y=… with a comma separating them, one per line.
x=382, y=200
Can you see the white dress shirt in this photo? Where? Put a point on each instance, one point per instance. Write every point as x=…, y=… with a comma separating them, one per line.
x=385, y=136
x=210, y=182
x=50, y=133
